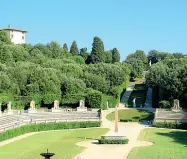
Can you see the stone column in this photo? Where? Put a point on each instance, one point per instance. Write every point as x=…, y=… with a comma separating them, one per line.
x=116, y=120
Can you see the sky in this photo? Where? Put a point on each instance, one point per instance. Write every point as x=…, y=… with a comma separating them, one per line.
x=128, y=25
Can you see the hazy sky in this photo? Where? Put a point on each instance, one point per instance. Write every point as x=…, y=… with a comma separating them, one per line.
x=126, y=24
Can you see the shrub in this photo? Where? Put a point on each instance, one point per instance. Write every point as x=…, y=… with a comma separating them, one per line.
x=116, y=141
x=45, y=127
x=170, y=125
x=164, y=104
x=129, y=120
x=94, y=99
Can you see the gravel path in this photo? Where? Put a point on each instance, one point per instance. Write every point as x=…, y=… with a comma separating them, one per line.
x=130, y=130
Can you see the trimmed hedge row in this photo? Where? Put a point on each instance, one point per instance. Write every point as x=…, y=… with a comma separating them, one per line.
x=170, y=125
x=44, y=127
x=117, y=141
x=130, y=120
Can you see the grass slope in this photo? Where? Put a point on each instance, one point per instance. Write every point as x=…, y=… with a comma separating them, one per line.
x=62, y=143
x=168, y=144
x=132, y=114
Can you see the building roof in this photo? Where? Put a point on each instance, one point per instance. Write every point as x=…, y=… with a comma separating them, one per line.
x=13, y=29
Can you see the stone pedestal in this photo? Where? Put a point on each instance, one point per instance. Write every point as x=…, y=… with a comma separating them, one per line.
x=31, y=111
x=9, y=112
x=82, y=109
x=55, y=110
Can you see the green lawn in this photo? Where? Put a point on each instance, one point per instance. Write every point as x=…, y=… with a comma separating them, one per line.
x=168, y=144
x=132, y=114
x=62, y=143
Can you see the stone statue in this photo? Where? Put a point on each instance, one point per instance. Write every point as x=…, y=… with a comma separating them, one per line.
x=150, y=63
x=32, y=105
x=81, y=103
x=56, y=104
x=107, y=105
x=82, y=107
x=176, y=104
x=134, y=102
x=9, y=106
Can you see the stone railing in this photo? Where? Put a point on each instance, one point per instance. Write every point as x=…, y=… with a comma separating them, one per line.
x=25, y=119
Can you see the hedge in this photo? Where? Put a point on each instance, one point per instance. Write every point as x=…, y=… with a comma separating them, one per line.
x=44, y=127
x=116, y=141
x=170, y=125
x=129, y=120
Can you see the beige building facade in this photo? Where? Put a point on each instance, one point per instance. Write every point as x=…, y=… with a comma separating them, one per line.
x=17, y=36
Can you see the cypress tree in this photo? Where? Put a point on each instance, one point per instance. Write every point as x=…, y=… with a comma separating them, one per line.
x=115, y=55
x=65, y=47
x=97, y=54
x=74, y=49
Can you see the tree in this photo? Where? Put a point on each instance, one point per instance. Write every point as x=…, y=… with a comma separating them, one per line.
x=4, y=38
x=5, y=54
x=97, y=54
x=55, y=48
x=108, y=56
x=74, y=49
x=83, y=53
x=65, y=47
x=115, y=55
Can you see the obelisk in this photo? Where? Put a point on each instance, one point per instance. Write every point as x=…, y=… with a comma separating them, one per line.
x=116, y=120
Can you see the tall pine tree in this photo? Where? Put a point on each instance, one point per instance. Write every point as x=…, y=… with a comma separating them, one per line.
x=65, y=47
x=74, y=49
x=97, y=54
x=115, y=55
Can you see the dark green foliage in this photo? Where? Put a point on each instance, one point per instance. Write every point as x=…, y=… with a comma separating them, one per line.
x=169, y=75
x=74, y=49
x=115, y=55
x=164, y=104
x=129, y=120
x=4, y=37
x=170, y=125
x=96, y=82
x=55, y=48
x=139, y=92
x=137, y=63
x=45, y=73
x=5, y=54
x=97, y=54
x=94, y=99
x=65, y=47
x=116, y=141
x=108, y=56
x=45, y=127
x=73, y=90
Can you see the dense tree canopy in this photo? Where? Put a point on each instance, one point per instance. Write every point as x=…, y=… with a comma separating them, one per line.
x=74, y=48
x=4, y=38
x=45, y=73
x=97, y=54
x=115, y=55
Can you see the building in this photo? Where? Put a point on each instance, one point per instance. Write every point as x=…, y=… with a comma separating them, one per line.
x=17, y=36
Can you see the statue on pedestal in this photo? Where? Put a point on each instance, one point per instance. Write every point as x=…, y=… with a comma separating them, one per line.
x=176, y=105
x=32, y=108
x=9, y=108
x=82, y=106
x=134, y=102
x=56, y=107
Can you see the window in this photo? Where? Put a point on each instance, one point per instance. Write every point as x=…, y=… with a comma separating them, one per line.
x=23, y=37
x=12, y=36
